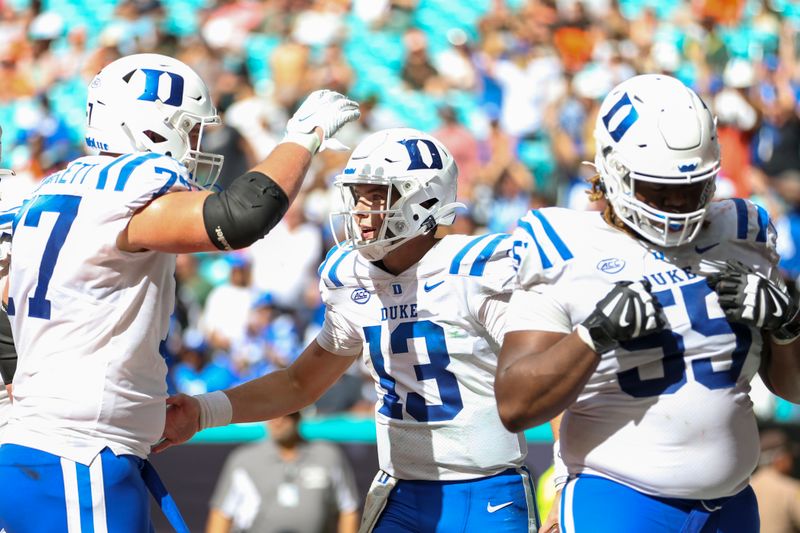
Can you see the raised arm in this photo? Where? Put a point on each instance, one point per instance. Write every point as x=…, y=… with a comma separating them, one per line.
x=254, y=202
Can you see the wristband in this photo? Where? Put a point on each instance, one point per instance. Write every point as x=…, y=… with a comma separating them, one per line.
x=215, y=409
x=309, y=141
x=560, y=473
x=586, y=337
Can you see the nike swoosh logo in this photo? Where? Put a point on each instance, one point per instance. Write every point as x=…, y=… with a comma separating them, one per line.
x=494, y=508
x=704, y=249
x=429, y=288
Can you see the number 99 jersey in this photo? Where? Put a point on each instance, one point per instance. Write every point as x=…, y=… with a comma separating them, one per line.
x=667, y=414
x=88, y=318
x=429, y=337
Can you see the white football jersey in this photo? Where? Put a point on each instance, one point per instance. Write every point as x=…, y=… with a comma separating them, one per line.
x=668, y=414
x=430, y=338
x=7, y=214
x=88, y=319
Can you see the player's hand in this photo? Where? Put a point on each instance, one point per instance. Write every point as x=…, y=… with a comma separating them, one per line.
x=749, y=297
x=327, y=110
x=550, y=524
x=627, y=312
x=183, y=421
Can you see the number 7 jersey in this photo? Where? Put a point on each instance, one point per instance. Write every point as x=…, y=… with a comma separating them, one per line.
x=668, y=414
x=430, y=338
x=88, y=318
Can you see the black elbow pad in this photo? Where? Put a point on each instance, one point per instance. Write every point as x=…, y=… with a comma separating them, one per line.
x=8, y=353
x=244, y=212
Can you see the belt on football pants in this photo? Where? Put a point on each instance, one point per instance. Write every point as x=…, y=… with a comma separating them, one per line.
x=162, y=496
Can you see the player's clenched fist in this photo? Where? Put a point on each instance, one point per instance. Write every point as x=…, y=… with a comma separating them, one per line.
x=627, y=312
x=749, y=297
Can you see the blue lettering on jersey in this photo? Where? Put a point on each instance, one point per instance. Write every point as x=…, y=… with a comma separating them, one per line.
x=674, y=348
x=611, y=265
x=67, y=208
x=416, y=405
x=393, y=312
x=152, y=81
x=397, y=288
x=671, y=276
x=360, y=296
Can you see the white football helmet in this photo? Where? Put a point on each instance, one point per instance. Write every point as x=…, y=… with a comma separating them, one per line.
x=420, y=176
x=652, y=128
x=151, y=103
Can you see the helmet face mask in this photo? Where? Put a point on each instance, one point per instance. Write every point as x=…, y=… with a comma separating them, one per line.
x=153, y=103
x=657, y=157
x=412, y=177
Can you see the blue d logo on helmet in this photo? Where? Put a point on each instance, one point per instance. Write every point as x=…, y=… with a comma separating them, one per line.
x=412, y=145
x=151, y=86
x=624, y=124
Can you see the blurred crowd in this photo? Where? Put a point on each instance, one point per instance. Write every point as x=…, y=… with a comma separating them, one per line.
x=512, y=87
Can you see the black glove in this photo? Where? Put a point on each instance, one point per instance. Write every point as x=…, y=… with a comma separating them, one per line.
x=627, y=312
x=750, y=298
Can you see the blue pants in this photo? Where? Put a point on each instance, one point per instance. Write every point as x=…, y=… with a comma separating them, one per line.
x=597, y=505
x=41, y=492
x=503, y=502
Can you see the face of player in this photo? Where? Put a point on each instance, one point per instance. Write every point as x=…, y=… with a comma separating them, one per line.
x=369, y=198
x=679, y=199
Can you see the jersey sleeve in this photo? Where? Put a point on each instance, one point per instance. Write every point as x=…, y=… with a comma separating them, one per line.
x=537, y=310
x=143, y=177
x=754, y=229
x=539, y=249
x=339, y=335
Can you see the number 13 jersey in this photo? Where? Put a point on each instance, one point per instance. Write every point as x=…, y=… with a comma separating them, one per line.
x=668, y=414
x=429, y=337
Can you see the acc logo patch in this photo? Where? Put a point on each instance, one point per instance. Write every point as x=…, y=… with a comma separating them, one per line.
x=611, y=266
x=360, y=296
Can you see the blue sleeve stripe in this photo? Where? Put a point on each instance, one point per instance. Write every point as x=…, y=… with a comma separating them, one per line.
x=480, y=263
x=6, y=218
x=129, y=167
x=741, y=218
x=561, y=248
x=327, y=257
x=332, y=272
x=763, y=222
x=454, y=266
x=173, y=177
x=524, y=224
x=103, y=176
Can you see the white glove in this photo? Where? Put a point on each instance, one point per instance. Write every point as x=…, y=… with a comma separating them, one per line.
x=325, y=109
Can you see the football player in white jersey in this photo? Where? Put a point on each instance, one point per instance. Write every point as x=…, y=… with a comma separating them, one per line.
x=91, y=288
x=427, y=315
x=8, y=353
x=645, y=325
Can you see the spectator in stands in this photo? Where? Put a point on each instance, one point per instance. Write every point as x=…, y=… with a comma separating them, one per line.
x=285, y=484
x=777, y=492
x=285, y=261
x=228, y=305
x=196, y=372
